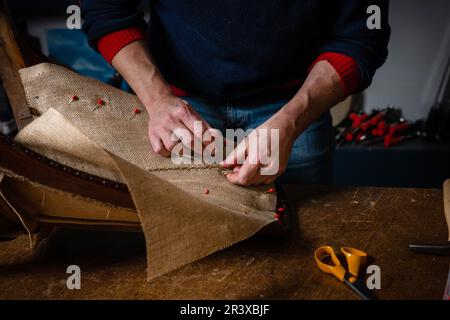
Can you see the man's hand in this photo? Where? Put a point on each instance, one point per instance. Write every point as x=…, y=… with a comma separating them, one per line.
x=322, y=90
x=266, y=152
x=167, y=114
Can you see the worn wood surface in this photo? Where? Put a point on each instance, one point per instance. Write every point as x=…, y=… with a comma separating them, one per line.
x=378, y=220
x=11, y=60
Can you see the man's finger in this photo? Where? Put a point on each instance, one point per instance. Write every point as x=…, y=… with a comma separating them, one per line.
x=245, y=176
x=158, y=146
x=195, y=138
x=214, y=139
x=184, y=135
x=169, y=141
x=237, y=156
x=194, y=122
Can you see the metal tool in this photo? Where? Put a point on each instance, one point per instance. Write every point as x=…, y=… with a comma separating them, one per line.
x=438, y=249
x=356, y=259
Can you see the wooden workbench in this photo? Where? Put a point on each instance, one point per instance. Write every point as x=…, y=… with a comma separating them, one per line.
x=378, y=220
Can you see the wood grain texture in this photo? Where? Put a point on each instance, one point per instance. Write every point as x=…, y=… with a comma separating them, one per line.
x=11, y=60
x=7, y=34
x=378, y=220
x=14, y=89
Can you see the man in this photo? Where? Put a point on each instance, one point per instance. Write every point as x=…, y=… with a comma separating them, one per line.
x=261, y=64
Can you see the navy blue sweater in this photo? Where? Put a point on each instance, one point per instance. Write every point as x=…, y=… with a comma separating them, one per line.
x=232, y=50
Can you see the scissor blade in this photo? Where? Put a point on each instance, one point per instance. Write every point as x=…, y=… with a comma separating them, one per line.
x=359, y=287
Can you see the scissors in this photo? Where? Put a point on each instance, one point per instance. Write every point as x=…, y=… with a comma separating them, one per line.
x=356, y=259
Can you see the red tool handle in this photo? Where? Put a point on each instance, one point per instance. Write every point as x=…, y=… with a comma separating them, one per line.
x=390, y=141
x=378, y=132
x=372, y=121
x=399, y=128
x=358, y=119
x=382, y=125
x=350, y=136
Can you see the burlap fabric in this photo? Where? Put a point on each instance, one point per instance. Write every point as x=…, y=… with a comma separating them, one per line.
x=181, y=223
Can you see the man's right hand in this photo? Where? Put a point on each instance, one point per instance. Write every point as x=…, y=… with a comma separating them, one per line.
x=168, y=113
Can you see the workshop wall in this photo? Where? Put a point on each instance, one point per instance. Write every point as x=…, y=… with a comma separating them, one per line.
x=418, y=52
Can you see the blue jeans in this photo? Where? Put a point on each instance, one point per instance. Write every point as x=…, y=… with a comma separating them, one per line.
x=310, y=162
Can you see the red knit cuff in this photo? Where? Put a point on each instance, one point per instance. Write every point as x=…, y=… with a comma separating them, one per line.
x=345, y=66
x=109, y=45
x=176, y=91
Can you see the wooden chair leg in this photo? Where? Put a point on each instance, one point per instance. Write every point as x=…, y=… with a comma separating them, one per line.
x=11, y=60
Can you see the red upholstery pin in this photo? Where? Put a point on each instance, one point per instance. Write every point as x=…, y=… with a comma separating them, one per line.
x=73, y=99
x=136, y=111
x=100, y=103
x=281, y=210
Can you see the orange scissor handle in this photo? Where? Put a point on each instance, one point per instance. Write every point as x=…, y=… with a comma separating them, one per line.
x=356, y=259
x=336, y=268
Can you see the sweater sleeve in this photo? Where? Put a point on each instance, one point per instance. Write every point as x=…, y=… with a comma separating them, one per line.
x=345, y=66
x=109, y=45
x=103, y=17
x=351, y=37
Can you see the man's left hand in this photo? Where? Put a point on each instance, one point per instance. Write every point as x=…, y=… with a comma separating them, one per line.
x=263, y=155
x=322, y=89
